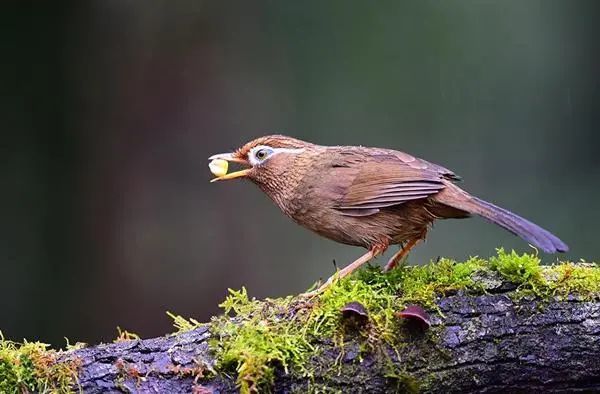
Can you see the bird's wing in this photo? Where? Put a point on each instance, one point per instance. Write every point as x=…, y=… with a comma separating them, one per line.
x=383, y=179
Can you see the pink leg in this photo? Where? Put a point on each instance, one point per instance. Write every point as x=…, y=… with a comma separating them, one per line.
x=395, y=259
x=372, y=253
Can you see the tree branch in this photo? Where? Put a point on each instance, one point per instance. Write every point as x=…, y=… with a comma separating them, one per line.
x=487, y=342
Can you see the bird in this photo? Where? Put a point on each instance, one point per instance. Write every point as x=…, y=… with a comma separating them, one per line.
x=367, y=197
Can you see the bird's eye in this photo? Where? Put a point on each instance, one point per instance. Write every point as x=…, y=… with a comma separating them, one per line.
x=262, y=154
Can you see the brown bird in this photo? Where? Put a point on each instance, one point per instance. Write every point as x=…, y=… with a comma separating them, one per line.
x=369, y=197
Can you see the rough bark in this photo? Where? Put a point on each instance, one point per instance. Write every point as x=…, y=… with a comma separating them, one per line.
x=485, y=343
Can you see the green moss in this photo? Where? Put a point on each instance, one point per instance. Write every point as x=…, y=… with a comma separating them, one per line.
x=31, y=367
x=124, y=335
x=524, y=270
x=423, y=284
x=259, y=337
x=254, y=336
x=559, y=280
x=570, y=279
x=182, y=324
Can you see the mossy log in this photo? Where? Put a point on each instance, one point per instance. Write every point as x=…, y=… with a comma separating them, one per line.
x=487, y=342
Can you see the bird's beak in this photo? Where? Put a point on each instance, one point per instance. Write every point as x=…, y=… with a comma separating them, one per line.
x=218, y=166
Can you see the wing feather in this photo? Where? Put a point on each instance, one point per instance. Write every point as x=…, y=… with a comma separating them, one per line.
x=385, y=181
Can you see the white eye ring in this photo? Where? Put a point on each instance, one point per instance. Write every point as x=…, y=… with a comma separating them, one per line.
x=259, y=154
x=262, y=154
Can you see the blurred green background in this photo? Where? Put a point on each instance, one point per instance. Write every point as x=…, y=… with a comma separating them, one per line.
x=110, y=110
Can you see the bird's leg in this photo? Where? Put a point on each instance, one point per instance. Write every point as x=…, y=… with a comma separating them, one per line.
x=372, y=253
x=396, y=258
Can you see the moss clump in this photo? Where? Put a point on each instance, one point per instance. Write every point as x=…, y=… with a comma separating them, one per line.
x=261, y=335
x=559, y=280
x=423, y=284
x=582, y=280
x=32, y=367
x=182, y=324
x=124, y=335
x=524, y=270
x=253, y=337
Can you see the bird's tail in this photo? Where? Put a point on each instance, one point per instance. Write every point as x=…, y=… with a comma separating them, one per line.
x=517, y=225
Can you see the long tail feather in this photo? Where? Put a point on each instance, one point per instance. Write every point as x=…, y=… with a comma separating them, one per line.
x=517, y=225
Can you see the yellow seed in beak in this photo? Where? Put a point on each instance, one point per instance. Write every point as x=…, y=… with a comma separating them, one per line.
x=218, y=167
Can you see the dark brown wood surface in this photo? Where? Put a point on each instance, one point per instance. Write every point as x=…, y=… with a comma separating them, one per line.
x=487, y=343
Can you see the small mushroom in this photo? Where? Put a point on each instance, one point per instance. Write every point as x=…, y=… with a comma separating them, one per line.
x=416, y=314
x=355, y=311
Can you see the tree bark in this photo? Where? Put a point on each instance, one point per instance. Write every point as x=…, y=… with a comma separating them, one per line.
x=486, y=343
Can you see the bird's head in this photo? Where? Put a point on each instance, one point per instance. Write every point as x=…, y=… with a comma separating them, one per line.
x=270, y=161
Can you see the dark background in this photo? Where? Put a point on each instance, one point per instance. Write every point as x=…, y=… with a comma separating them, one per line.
x=109, y=110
